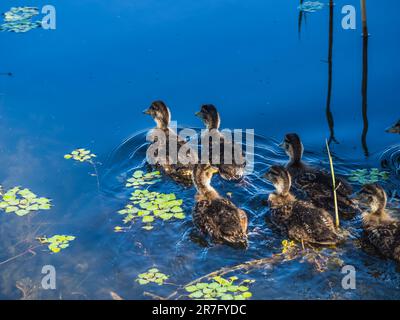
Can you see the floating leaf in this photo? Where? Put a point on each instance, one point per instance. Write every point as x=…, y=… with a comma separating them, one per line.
x=220, y=288
x=18, y=19
x=57, y=242
x=140, y=179
x=152, y=275
x=365, y=176
x=81, y=155
x=22, y=202
x=151, y=205
x=311, y=6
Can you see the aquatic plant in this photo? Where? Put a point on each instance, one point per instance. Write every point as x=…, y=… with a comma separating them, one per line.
x=365, y=176
x=153, y=275
x=220, y=289
x=310, y=6
x=139, y=178
x=151, y=205
x=57, y=242
x=18, y=19
x=81, y=155
x=333, y=185
x=84, y=155
x=23, y=201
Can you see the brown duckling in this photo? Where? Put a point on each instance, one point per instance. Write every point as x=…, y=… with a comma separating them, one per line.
x=395, y=128
x=214, y=215
x=229, y=169
x=381, y=230
x=316, y=184
x=176, y=168
x=300, y=220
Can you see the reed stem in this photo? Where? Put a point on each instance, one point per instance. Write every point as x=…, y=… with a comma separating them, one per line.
x=364, y=18
x=333, y=185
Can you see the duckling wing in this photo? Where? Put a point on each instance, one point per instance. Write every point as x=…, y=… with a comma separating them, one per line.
x=231, y=168
x=386, y=238
x=312, y=225
x=221, y=220
x=317, y=186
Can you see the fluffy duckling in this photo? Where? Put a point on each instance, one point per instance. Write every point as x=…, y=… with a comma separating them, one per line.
x=179, y=170
x=395, y=128
x=214, y=215
x=315, y=184
x=228, y=169
x=300, y=220
x=381, y=230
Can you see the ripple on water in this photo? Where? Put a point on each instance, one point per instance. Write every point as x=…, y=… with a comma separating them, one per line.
x=176, y=248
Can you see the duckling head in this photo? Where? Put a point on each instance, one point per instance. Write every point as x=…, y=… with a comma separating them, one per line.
x=160, y=113
x=293, y=147
x=210, y=116
x=372, y=198
x=395, y=128
x=280, y=178
x=202, y=175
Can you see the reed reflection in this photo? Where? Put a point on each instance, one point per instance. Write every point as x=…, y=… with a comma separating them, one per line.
x=364, y=83
x=329, y=115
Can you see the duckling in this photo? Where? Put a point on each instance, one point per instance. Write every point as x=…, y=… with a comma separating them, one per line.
x=395, y=128
x=380, y=229
x=316, y=184
x=179, y=170
x=214, y=215
x=300, y=220
x=229, y=169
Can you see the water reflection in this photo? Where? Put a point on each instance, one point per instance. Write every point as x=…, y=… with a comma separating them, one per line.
x=364, y=84
x=329, y=115
x=300, y=20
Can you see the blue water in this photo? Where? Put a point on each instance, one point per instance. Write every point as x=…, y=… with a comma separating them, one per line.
x=86, y=83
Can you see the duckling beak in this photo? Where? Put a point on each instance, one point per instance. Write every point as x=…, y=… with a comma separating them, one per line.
x=147, y=111
x=199, y=114
x=214, y=170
